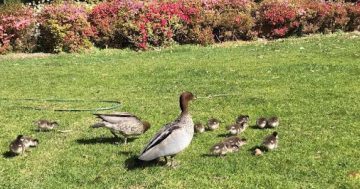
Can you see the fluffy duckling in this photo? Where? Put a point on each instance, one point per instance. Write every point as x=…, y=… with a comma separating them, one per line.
x=22, y=143
x=199, y=128
x=243, y=119
x=235, y=143
x=45, y=125
x=237, y=128
x=273, y=122
x=17, y=147
x=123, y=123
x=220, y=149
x=271, y=141
x=261, y=122
x=257, y=152
x=173, y=137
x=213, y=124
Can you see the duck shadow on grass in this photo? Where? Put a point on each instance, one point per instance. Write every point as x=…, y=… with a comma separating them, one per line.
x=133, y=163
x=8, y=154
x=103, y=140
x=258, y=128
x=262, y=148
x=225, y=135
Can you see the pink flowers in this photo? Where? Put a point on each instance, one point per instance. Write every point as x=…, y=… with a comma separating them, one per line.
x=15, y=26
x=141, y=24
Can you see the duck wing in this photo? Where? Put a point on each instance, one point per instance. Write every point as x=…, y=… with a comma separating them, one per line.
x=162, y=135
x=116, y=117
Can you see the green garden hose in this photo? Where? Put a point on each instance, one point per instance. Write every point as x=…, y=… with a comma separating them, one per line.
x=115, y=104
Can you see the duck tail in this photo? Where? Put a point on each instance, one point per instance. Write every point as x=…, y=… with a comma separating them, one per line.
x=98, y=125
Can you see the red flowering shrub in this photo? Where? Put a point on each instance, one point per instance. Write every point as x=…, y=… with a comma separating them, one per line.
x=354, y=16
x=64, y=27
x=17, y=29
x=219, y=20
x=276, y=19
x=152, y=23
x=103, y=18
x=322, y=17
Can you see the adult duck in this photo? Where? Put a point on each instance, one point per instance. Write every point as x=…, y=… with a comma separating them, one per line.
x=173, y=137
x=123, y=123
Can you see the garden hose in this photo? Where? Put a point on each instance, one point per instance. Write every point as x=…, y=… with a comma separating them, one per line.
x=115, y=104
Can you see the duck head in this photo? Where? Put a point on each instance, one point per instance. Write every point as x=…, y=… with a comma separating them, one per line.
x=19, y=137
x=146, y=125
x=185, y=97
x=275, y=134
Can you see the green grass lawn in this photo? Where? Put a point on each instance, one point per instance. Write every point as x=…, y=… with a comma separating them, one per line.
x=312, y=84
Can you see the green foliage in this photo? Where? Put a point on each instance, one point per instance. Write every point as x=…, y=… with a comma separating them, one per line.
x=312, y=84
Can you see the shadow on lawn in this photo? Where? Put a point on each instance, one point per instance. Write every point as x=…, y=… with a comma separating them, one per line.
x=102, y=140
x=8, y=154
x=133, y=163
x=224, y=135
x=256, y=127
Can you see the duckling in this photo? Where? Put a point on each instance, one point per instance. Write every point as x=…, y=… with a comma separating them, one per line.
x=17, y=147
x=237, y=128
x=213, y=124
x=273, y=122
x=257, y=152
x=271, y=141
x=220, y=149
x=22, y=143
x=235, y=143
x=45, y=125
x=173, y=137
x=124, y=123
x=242, y=119
x=29, y=142
x=261, y=122
x=199, y=128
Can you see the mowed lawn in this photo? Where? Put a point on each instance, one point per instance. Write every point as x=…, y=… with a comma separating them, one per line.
x=312, y=84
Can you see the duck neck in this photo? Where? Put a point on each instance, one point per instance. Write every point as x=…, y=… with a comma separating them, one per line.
x=183, y=106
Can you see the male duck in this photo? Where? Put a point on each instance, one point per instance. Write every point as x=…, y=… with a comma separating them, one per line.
x=173, y=137
x=271, y=142
x=213, y=124
x=45, y=125
x=124, y=123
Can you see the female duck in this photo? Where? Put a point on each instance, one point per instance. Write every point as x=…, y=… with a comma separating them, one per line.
x=123, y=123
x=173, y=137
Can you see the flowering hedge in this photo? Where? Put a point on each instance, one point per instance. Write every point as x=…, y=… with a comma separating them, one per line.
x=64, y=27
x=17, y=29
x=72, y=27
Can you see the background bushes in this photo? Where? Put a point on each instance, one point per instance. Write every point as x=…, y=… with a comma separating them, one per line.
x=17, y=29
x=74, y=27
x=64, y=27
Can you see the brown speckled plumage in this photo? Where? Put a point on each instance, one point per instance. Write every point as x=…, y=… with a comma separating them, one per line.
x=45, y=125
x=242, y=119
x=271, y=141
x=21, y=144
x=122, y=123
x=261, y=122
